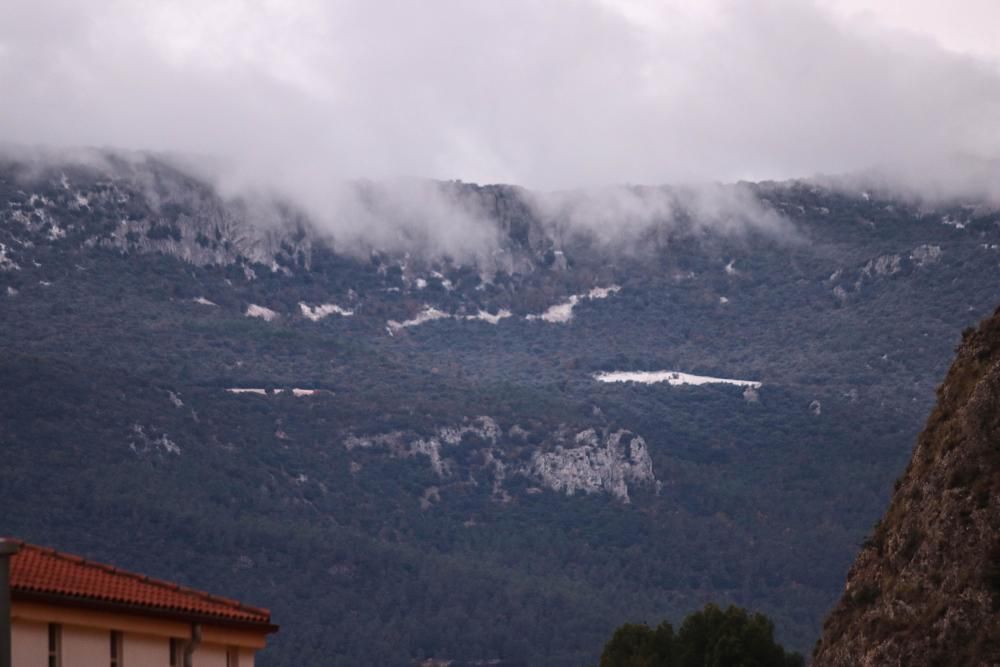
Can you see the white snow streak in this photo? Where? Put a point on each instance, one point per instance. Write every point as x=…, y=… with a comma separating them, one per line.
x=559, y=313
x=673, y=378
x=484, y=316
x=266, y=314
x=316, y=313
x=260, y=391
x=429, y=314
x=562, y=313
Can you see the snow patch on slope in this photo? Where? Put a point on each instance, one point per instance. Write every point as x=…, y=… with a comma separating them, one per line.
x=316, y=313
x=266, y=314
x=429, y=314
x=484, y=316
x=562, y=313
x=260, y=391
x=673, y=378
x=203, y=301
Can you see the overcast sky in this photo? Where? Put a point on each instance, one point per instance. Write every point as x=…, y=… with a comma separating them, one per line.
x=547, y=93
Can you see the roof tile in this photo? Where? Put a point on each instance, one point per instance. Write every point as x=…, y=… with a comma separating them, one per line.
x=37, y=569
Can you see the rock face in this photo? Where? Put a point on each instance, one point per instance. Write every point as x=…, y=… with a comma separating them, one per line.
x=925, y=589
x=596, y=464
x=142, y=204
x=587, y=462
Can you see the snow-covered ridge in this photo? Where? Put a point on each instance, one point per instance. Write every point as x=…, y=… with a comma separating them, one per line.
x=316, y=313
x=563, y=312
x=253, y=310
x=673, y=378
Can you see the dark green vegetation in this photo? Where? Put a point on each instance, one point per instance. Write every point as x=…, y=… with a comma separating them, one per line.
x=712, y=637
x=367, y=555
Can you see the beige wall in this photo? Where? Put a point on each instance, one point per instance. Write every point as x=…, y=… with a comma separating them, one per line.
x=210, y=656
x=85, y=647
x=144, y=651
x=29, y=644
x=91, y=647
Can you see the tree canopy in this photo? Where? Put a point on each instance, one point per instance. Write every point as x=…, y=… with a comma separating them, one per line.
x=712, y=637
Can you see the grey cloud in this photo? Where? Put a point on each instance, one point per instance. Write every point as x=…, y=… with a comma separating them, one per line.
x=305, y=98
x=621, y=215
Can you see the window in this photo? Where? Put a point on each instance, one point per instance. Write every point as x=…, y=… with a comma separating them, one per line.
x=232, y=657
x=116, y=649
x=55, y=645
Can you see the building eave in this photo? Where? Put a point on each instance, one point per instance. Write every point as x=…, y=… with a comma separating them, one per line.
x=78, y=602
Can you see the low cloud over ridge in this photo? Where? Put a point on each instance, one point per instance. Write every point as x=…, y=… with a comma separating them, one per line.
x=548, y=95
x=301, y=96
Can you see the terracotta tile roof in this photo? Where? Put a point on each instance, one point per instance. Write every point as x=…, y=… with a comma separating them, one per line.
x=47, y=572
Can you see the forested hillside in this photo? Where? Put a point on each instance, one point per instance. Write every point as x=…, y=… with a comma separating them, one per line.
x=409, y=455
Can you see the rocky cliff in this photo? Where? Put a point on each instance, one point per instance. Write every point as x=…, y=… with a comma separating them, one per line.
x=925, y=589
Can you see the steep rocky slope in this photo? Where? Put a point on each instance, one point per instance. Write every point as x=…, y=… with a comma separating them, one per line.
x=925, y=589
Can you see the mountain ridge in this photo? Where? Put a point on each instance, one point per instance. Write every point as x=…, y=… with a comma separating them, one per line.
x=177, y=402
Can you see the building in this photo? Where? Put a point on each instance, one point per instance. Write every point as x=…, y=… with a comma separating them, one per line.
x=66, y=611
